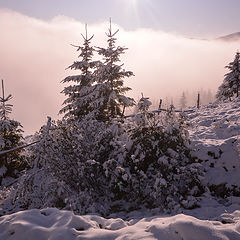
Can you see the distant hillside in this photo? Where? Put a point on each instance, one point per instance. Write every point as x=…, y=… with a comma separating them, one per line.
x=231, y=37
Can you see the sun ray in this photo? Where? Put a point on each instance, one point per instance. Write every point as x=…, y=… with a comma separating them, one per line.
x=130, y=3
x=132, y=8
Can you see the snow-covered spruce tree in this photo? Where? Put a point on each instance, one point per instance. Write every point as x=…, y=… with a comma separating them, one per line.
x=231, y=83
x=40, y=185
x=112, y=101
x=163, y=173
x=183, y=101
x=10, y=137
x=81, y=95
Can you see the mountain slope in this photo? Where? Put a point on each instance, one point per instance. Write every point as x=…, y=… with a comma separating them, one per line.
x=231, y=37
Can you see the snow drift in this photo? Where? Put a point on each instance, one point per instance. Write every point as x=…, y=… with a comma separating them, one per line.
x=54, y=224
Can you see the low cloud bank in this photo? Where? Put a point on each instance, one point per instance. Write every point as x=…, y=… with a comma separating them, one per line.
x=35, y=54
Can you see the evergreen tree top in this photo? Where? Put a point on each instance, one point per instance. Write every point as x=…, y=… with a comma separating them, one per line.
x=234, y=68
x=235, y=65
x=86, y=54
x=5, y=108
x=111, y=53
x=235, y=62
x=231, y=83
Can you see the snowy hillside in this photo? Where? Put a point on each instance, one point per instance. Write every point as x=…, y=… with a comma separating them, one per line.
x=230, y=37
x=215, y=135
x=216, y=138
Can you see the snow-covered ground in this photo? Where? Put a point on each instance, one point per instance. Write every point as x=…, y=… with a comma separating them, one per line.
x=216, y=137
x=215, y=134
x=54, y=224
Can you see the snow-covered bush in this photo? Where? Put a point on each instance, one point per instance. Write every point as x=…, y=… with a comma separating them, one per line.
x=104, y=167
x=10, y=138
x=39, y=187
x=163, y=173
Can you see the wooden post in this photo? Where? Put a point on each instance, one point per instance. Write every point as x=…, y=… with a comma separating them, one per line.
x=3, y=89
x=3, y=101
x=198, y=101
x=159, y=106
x=123, y=110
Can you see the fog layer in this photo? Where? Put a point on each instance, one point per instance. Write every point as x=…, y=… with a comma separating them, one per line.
x=34, y=55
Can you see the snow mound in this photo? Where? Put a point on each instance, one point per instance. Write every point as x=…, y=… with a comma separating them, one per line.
x=43, y=224
x=55, y=224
